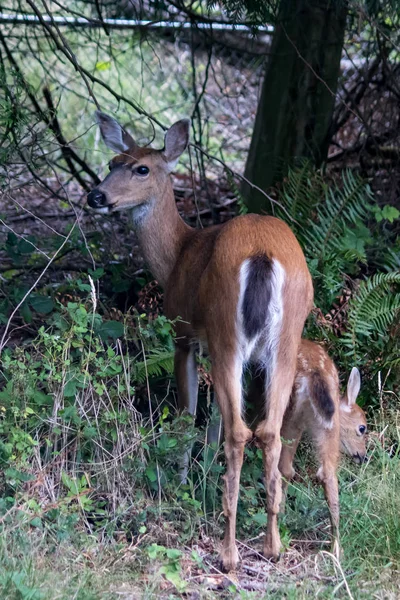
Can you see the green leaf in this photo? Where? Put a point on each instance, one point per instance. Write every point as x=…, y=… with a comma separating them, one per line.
x=12, y=473
x=26, y=313
x=176, y=579
x=260, y=519
x=36, y=522
x=70, y=388
x=173, y=553
x=155, y=550
x=151, y=474
x=112, y=329
x=42, y=304
x=390, y=213
x=103, y=65
x=97, y=273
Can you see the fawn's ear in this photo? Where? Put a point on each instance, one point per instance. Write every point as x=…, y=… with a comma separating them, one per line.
x=114, y=136
x=176, y=141
x=353, y=386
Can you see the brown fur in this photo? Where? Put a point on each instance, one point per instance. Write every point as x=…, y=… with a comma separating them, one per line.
x=343, y=430
x=199, y=271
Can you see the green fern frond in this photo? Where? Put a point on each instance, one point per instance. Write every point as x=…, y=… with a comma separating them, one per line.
x=341, y=207
x=241, y=203
x=374, y=307
x=302, y=190
x=157, y=363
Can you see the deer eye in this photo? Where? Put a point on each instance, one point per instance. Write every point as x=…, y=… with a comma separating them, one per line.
x=110, y=165
x=362, y=429
x=142, y=170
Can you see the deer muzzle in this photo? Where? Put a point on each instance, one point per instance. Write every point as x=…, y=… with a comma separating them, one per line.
x=97, y=199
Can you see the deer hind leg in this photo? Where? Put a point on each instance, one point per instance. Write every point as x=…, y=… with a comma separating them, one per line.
x=268, y=433
x=187, y=385
x=328, y=453
x=227, y=376
x=290, y=438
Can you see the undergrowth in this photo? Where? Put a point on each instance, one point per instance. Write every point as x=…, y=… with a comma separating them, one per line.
x=90, y=449
x=161, y=558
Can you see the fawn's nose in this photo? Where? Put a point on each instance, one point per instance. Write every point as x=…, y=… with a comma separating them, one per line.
x=96, y=199
x=360, y=458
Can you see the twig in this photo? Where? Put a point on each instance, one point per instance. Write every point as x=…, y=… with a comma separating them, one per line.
x=20, y=303
x=67, y=152
x=243, y=178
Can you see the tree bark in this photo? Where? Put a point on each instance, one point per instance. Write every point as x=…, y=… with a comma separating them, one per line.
x=298, y=93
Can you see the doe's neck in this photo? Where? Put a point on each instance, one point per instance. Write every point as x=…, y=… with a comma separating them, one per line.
x=161, y=233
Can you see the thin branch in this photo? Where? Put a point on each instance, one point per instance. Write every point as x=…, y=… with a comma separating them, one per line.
x=4, y=338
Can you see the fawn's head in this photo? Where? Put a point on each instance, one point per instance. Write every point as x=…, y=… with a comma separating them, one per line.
x=138, y=176
x=353, y=424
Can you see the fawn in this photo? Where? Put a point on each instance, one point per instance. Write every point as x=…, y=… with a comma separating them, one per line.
x=334, y=423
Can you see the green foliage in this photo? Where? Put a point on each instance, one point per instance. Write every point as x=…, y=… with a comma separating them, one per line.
x=330, y=223
x=73, y=385
x=372, y=309
x=171, y=568
x=257, y=12
x=349, y=249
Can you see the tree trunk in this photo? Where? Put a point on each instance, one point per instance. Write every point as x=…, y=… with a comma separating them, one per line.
x=298, y=94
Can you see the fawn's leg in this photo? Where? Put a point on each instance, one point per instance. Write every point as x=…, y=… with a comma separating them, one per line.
x=227, y=376
x=327, y=444
x=290, y=438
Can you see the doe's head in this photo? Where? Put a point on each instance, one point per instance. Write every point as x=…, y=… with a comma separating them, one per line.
x=353, y=424
x=137, y=174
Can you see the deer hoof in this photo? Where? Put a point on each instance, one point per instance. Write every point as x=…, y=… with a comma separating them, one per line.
x=229, y=558
x=272, y=556
x=336, y=550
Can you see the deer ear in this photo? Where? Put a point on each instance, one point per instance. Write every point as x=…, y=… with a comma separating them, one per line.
x=176, y=141
x=114, y=136
x=353, y=386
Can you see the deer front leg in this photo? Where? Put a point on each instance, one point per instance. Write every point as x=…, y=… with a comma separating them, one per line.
x=187, y=386
x=214, y=430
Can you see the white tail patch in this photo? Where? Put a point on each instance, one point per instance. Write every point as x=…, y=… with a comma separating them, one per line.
x=262, y=348
x=275, y=312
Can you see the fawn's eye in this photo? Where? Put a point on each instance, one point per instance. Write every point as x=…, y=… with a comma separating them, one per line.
x=142, y=170
x=362, y=429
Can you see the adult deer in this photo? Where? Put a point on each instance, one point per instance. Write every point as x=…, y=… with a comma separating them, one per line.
x=242, y=288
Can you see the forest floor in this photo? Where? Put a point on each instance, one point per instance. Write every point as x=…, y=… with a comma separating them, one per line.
x=173, y=554
x=45, y=570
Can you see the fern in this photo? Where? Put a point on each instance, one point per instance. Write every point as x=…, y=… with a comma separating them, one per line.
x=330, y=226
x=241, y=203
x=375, y=306
x=341, y=208
x=157, y=363
x=302, y=191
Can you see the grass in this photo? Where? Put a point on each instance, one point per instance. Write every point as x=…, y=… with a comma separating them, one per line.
x=63, y=557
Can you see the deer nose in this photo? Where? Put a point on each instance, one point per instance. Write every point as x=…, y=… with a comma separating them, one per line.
x=360, y=458
x=96, y=199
